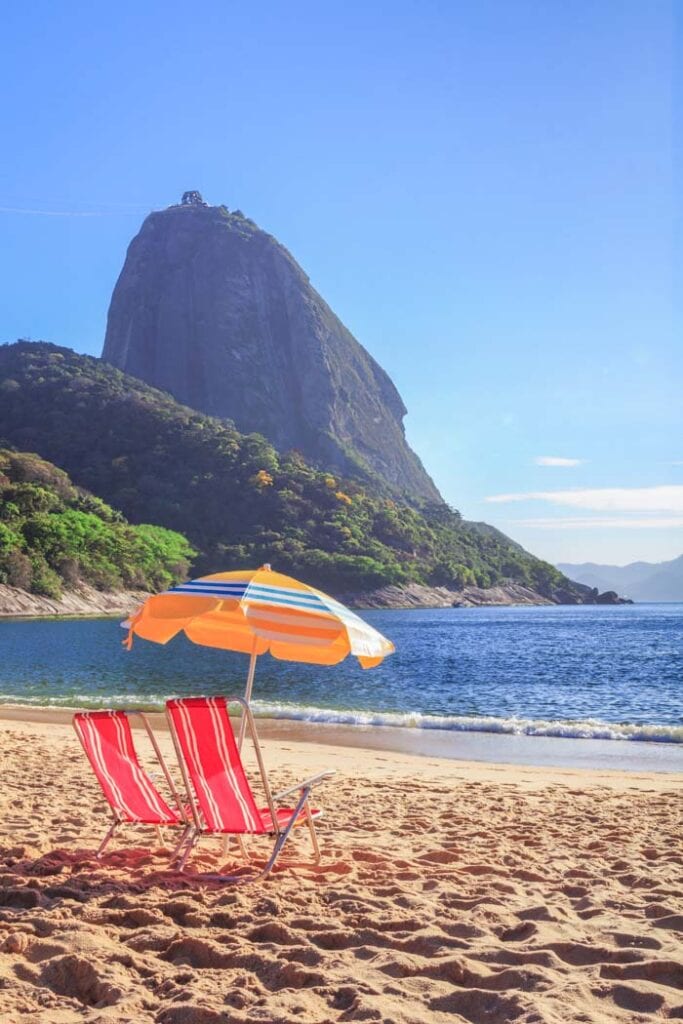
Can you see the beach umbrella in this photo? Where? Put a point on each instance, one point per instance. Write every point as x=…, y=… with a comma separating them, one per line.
x=258, y=610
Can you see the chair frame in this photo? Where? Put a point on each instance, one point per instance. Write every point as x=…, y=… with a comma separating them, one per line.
x=198, y=828
x=119, y=821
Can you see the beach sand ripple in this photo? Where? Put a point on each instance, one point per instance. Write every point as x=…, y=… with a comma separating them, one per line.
x=447, y=892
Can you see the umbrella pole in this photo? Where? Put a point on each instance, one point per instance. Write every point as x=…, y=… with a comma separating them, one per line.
x=247, y=695
x=240, y=740
x=250, y=677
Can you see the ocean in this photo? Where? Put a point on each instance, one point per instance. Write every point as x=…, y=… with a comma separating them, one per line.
x=608, y=673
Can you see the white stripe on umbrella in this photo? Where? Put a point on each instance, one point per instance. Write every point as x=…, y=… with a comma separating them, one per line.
x=291, y=638
x=323, y=620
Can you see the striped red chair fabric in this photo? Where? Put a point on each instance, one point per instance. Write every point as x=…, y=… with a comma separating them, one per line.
x=107, y=740
x=220, y=794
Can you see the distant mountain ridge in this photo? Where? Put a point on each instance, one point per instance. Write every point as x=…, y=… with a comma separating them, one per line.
x=641, y=581
x=217, y=312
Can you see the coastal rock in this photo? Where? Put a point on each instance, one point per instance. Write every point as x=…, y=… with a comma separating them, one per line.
x=504, y=594
x=611, y=597
x=414, y=595
x=214, y=310
x=83, y=600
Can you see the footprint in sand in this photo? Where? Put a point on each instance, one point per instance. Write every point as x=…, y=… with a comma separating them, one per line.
x=276, y=933
x=628, y=941
x=632, y=999
x=368, y=857
x=661, y=972
x=202, y=954
x=440, y=857
x=190, y=1014
x=673, y=922
x=480, y=1007
x=519, y=933
x=74, y=976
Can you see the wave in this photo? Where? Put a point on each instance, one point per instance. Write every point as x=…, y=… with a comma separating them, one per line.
x=593, y=729
x=588, y=729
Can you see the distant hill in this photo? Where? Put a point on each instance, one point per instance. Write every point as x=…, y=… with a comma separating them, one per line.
x=55, y=536
x=641, y=581
x=215, y=311
x=238, y=500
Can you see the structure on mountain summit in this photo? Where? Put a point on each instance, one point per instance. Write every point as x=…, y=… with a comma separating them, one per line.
x=192, y=199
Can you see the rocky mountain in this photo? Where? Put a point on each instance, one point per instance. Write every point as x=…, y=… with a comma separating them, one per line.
x=215, y=311
x=641, y=581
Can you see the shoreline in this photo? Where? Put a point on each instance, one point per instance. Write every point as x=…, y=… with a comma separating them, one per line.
x=85, y=601
x=82, y=602
x=628, y=758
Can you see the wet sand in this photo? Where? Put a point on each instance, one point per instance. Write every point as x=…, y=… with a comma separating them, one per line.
x=488, y=747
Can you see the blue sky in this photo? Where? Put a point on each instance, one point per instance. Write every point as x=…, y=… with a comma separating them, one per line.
x=483, y=191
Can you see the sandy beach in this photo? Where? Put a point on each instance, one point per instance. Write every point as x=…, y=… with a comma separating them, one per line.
x=448, y=891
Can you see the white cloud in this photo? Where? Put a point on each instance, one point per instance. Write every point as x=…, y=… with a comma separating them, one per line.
x=557, y=460
x=666, y=498
x=599, y=523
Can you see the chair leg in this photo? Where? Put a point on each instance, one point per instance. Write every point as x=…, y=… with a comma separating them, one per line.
x=181, y=842
x=284, y=836
x=192, y=841
x=110, y=835
x=225, y=843
x=314, y=838
x=160, y=838
x=279, y=843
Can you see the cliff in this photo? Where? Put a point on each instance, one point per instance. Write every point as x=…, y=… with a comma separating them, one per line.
x=416, y=595
x=215, y=311
x=82, y=600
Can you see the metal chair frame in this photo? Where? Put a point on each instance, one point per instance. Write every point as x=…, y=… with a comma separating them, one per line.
x=119, y=821
x=198, y=828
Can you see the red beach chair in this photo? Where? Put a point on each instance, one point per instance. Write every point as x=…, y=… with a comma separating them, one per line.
x=220, y=796
x=107, y=740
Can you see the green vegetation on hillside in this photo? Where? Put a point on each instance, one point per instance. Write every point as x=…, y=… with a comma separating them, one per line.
x=52, y=533
x=238, y=500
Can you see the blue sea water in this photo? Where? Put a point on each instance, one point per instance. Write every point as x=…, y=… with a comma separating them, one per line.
x=599, y=672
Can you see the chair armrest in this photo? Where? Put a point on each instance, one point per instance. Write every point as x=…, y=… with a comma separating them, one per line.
x=309, y=784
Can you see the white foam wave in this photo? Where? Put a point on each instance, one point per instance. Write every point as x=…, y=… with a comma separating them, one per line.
x=564, y=729
x=588, y=729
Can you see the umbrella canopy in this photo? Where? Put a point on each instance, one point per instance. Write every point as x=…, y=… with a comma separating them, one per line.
x=258, y=610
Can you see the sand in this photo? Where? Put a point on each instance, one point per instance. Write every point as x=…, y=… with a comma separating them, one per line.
x=448, y=891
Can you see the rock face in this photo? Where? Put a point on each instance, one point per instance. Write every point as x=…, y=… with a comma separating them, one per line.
x=218, y=313
x=82, y=600
x=415, y=595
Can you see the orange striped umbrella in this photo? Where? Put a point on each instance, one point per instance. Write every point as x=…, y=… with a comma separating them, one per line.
x=259, y=610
